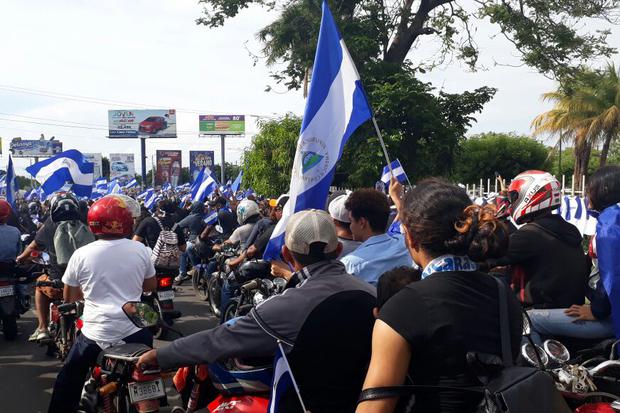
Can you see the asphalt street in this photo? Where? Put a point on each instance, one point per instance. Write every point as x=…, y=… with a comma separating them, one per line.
x=27, y=374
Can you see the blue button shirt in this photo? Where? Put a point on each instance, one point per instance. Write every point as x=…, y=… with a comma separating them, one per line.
x=10, y=243
x=376, y=255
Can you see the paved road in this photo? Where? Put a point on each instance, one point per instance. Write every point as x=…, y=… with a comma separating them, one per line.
x=27, y=374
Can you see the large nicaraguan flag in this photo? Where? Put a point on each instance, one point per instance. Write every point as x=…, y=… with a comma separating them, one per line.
x=335, y=108
x=11, y=183
x=203, y=186
x=67, y=168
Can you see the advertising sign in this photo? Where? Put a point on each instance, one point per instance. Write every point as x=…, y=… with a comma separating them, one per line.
x=168, y=167
x=21, y=148
x=156, y=123
x=221, y=124
x=122, y=165
x=198, y=159
x=95, y=158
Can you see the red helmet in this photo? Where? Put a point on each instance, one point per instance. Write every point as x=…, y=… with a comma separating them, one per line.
x=111, y=215
x=5, y=211
x=532, y=193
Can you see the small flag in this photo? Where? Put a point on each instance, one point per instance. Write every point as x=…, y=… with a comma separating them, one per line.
x=235, y=185
x=335, y=108
x=11, y=183
x=114, y=187
x=211, y=219
x=398, y=171
x=131, y=184
x=67, y=168
x=150, y=201
x=282, y=381
x=203, y=188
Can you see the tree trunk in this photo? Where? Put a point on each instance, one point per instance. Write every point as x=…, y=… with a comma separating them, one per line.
x=605, y=150
x=583, y=148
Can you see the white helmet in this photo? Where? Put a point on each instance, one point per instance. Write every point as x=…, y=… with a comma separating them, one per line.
x=245, y=210
x=533, y=193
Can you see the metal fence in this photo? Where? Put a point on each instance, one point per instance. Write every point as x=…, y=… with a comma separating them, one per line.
x=570, y=186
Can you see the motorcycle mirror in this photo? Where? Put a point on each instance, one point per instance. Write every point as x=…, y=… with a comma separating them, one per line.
x=280, y=283
x=219, y=229
x=141, y=314
x=529, y=352
x=40, y=257
x=557, y=351
x=268, y=284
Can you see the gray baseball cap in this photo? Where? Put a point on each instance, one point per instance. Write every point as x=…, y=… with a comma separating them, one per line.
x=307, y=227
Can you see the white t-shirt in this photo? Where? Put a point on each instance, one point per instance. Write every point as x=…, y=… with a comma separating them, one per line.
x=241, y=233
x=110, y=273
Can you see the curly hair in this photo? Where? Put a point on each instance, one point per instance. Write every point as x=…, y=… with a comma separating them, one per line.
x=442, y=219
x=370, y=204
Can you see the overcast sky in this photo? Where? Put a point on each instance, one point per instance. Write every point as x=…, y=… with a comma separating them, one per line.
x=130, y=54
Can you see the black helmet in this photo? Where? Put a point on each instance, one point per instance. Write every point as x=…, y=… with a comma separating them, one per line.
x=64, y=207
x=254, y=269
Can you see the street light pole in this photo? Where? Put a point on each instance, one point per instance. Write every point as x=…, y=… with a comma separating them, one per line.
x=223, y=174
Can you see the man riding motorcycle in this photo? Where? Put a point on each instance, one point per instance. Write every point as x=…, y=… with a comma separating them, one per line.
x=324, y=324
x=548, y=266
x=64, y=207
x=106, y=273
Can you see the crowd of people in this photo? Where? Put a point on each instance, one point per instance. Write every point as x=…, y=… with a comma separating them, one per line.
x=382, y=289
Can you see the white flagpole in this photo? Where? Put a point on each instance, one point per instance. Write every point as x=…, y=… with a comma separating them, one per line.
x=303, y=406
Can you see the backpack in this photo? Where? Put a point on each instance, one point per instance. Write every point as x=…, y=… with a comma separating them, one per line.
x=68, y=237
x=166, y=253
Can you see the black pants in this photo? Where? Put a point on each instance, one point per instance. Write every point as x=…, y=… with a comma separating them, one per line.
x=81, y=357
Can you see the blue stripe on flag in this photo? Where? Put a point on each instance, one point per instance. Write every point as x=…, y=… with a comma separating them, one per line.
x=68, y=167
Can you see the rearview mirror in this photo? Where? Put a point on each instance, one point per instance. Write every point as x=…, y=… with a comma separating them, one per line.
x=141, y=314
x=40, y=257
x=219, y=229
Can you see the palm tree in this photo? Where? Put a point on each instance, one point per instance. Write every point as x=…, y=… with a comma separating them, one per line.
x=586, y=111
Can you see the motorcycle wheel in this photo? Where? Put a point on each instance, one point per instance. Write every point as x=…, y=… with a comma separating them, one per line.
x=201, y=286
x=9, y=327
x=215, y=295
x=230, y=311
x=159, y=331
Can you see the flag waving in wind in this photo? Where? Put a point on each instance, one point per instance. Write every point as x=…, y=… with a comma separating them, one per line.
x=11, y=183
x=336, y=106
x=68, y=167
x=397, y=170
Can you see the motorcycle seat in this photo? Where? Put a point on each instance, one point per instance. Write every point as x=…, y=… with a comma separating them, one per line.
x=127, y=350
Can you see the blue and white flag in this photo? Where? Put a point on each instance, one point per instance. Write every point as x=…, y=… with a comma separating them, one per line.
x=35, y=194
x=11, y=183
x=335, y=108
x=150, y=201
x=203, y=188
x=235, y=185
x=2, y=182
x=398, y=171
x=167, y=186
x=68, y=167
x=211, y=219
x=131, y=184
x=282, y=381
x=145, y=193
x=114, y=187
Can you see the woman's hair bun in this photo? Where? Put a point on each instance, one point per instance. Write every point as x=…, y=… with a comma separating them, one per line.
x=480, y=234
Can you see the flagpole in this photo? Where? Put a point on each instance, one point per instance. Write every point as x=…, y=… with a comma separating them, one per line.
x=303, y=406
x=387, y=158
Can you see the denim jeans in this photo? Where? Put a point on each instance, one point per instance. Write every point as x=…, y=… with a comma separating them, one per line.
x=188, y=255
x=554, y=323
x=81, y=357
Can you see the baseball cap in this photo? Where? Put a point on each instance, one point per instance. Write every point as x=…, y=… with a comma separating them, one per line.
x=280, y=202
x=337, y=210
x=307, y=227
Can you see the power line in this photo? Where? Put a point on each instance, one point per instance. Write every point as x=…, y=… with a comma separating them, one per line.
x=108, y=102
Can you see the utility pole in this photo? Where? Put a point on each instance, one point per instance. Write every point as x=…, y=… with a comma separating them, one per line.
x=223, y=174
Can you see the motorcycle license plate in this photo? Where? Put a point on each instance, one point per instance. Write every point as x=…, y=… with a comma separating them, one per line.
x=6, y=291
x=165, y=295
x=147, y=390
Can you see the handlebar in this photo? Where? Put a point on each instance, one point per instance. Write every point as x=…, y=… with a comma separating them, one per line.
x=53, y=284
x=251, y=285
x=603, y=366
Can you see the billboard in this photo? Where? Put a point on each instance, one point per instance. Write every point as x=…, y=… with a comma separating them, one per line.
x=95, y=158
x=21, y=148
x=221, y=124
x=122, y=165
x=168, y=167
x=198, y=159
x=142, y=123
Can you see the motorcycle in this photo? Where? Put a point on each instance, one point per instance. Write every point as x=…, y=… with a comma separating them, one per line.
x=163, y=302
x=590, y=386
x=9, y=305
x=116, y=384
x=216, y=280
x=251, y=294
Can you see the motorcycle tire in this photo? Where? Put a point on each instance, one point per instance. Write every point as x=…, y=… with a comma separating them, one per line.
x=9, y=327
x=230, y=311
x=215, y=295
x=201, y=286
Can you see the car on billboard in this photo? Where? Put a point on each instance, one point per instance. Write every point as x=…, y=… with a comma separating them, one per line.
x=153, y=124
x=118, y=166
